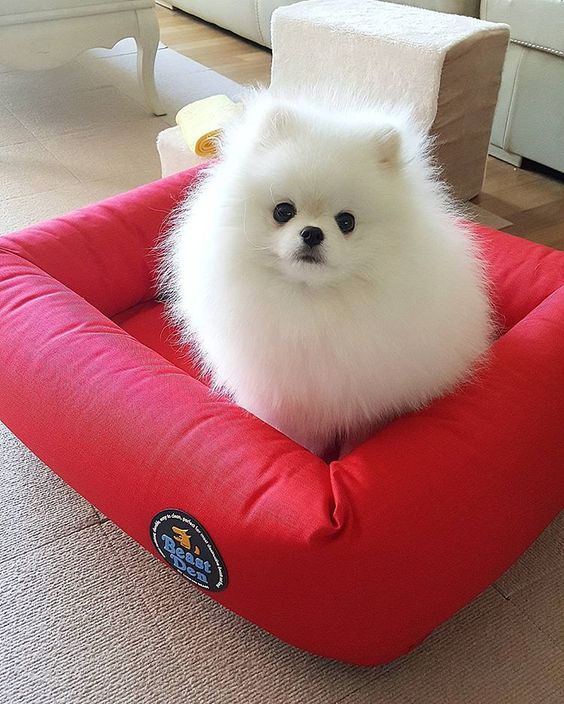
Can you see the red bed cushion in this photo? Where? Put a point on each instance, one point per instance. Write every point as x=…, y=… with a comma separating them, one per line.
x=357, y=560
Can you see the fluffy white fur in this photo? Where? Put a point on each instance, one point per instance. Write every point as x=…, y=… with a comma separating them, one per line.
x=396, y=315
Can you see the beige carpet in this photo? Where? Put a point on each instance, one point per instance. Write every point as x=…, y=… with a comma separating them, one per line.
x=80, y=133
x=86, y=616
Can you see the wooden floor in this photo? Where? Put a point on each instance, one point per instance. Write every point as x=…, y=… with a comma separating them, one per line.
x=226, y=53
x=531, y=198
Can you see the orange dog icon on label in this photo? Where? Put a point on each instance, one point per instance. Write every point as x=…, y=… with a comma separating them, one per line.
x=181, y=536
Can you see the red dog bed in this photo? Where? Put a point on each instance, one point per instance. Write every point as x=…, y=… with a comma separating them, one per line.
x=357, y=560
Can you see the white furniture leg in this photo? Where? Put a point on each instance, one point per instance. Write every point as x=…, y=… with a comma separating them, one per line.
x=147, y=44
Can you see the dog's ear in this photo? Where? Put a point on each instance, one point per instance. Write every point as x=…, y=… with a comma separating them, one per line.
x=388, y=146
x=277, y=124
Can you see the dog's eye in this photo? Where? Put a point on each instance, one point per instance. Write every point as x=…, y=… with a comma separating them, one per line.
x=283, y=212
x=346, y=222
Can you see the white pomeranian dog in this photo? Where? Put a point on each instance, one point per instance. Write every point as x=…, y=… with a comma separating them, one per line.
x=321, y=275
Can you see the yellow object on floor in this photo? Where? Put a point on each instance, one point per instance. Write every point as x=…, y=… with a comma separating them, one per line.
x=201, y=122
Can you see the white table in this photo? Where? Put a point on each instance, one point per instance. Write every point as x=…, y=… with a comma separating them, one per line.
x=43, y=34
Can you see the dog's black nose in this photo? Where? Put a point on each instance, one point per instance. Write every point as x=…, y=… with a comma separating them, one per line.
x=312, y=236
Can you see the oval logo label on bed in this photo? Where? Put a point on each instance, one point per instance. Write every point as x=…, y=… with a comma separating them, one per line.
x=188, y=549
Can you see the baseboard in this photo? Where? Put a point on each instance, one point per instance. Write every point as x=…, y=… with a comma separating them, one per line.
x=509, y=157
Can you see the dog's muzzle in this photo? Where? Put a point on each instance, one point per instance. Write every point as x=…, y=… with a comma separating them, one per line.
x=309, y=255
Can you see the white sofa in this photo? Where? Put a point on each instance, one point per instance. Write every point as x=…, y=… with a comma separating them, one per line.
x=251, y=18
x=529, y=120
x=43, y=34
